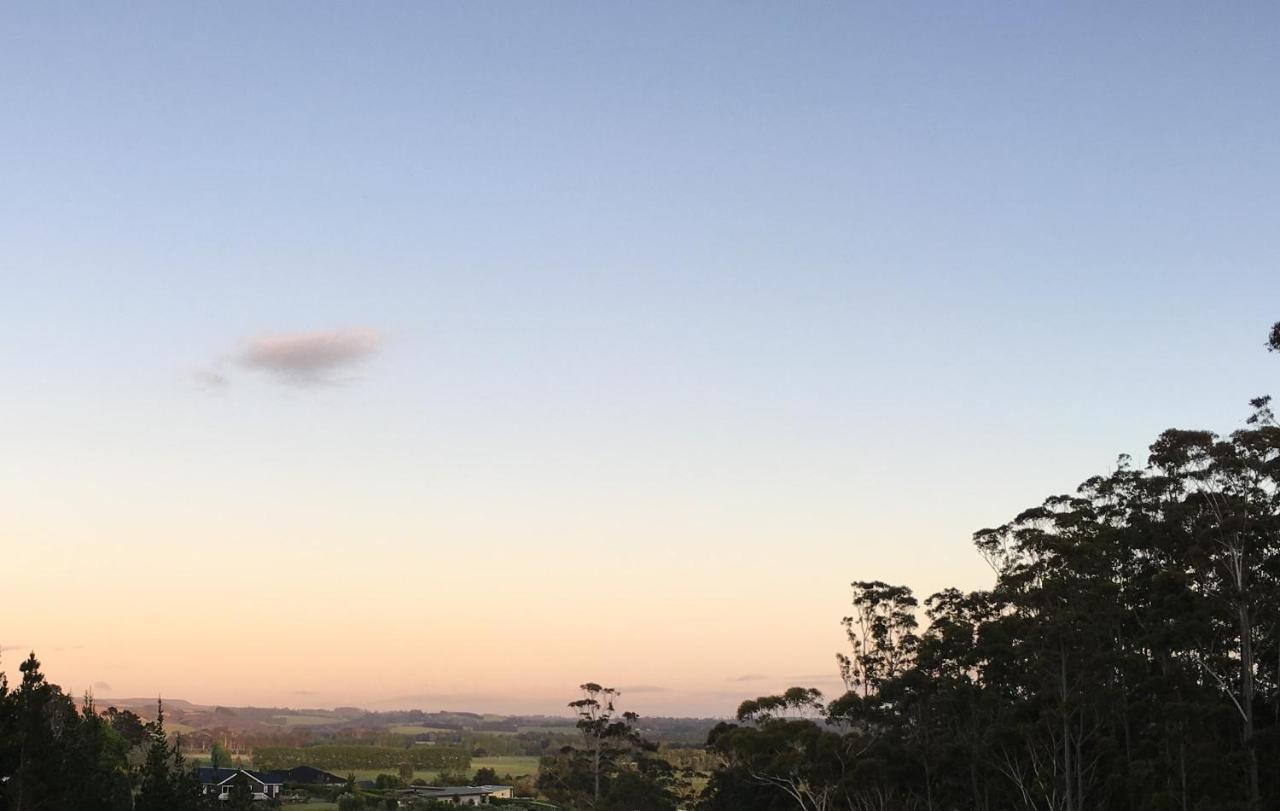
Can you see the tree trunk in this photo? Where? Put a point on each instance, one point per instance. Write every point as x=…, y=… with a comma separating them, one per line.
x=973, y=781
x=1246, y=700
x=928, y=783
x=22, y=756
x=1067, y=771
x=595, y=770
x=1182, y=770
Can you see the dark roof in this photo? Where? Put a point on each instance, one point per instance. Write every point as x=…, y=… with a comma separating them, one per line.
x=308, y=775
x=305, y=775
x=214, y=777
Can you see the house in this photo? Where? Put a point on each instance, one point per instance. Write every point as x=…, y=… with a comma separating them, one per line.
x=221, y=782
x=457, y=795
x=308, y=776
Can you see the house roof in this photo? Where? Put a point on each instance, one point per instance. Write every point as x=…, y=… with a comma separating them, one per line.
x=216, y=777
x=309, y=774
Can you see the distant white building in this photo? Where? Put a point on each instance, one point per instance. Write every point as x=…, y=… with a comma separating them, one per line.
x=458, y=795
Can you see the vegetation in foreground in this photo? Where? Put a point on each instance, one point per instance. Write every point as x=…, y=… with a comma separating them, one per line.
x=1128, y=657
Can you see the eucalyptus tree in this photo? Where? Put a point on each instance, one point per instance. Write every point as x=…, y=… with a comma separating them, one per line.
x=783, y=745
x=1127, y=657
x=881, y=633
x=615, y=766
x=596, y=722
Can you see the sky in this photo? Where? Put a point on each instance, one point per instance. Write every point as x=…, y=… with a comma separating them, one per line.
x=451, y=354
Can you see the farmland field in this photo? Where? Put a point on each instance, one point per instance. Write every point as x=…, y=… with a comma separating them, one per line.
x=412, y=729
x=565, y=729
x=302, y=720
x=514, y=765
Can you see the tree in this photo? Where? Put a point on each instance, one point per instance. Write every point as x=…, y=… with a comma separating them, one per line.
x=128, y=725
x=1127, y=657
x=613, y=754
x=881, y=633
x=95, y=764
x=240, y=798
x=8, y=740
x=348, y=801
x=219, y=757
x=775, y=748
x=42, y=714
x=595, y=722
x=54, y=756
x=165, y=782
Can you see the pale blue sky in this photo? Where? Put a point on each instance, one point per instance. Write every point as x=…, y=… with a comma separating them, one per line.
x=711, y=295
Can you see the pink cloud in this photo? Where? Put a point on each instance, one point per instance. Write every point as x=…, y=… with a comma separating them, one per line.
x=309, y=358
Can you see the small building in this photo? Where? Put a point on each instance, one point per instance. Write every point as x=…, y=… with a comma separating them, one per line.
x=457, y=795
x=308, y=776
x=221, y=782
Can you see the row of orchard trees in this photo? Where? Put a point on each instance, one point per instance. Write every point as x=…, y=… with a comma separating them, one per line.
x=1127, y=657
x=332, y=756
x=57, y=757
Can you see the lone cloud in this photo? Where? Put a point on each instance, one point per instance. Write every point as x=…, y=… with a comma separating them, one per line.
x=310, y=358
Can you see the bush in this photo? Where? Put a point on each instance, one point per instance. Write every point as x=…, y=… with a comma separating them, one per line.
x=386, y=781
x=350, y=802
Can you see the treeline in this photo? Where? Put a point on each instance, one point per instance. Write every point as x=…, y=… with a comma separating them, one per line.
x=1127, y=658
x=57, y=757
x=533, y=744
x=438, y=758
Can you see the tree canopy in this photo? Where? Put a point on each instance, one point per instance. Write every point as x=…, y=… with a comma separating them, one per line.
x=1127, y=657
